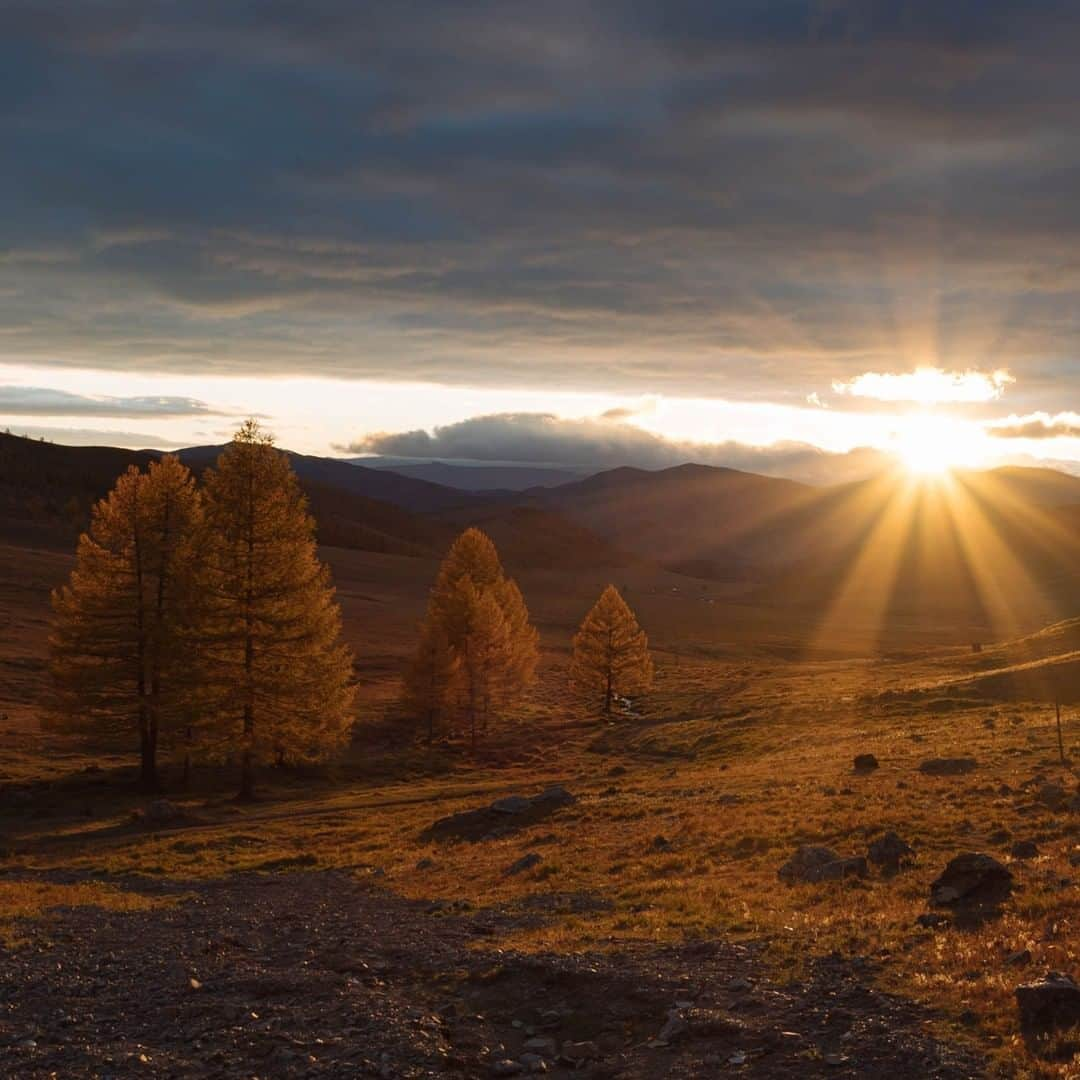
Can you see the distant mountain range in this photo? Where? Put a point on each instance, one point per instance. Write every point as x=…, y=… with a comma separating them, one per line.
x=497, y=478
x=981, y=542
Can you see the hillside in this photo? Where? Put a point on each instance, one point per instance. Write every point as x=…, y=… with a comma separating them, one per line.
x=479, y=478
x=46, y=492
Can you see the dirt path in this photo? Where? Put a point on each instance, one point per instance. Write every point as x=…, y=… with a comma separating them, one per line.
x=317, y=974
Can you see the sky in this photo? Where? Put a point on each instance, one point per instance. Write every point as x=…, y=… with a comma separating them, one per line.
x=787, y=236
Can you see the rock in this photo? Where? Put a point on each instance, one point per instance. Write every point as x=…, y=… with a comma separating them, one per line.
x=1024, y=849
x=425, y=864
x=933, y=920
x=890, y=852
x=526, y=862
x=541, y=1044
x=999, y=837
x=1020, y=958
x=812, y=863
x=501, y=817
x=957, y=766
x=1052, y=796
x=1052, y=1002
x=534, y=1063
x=661, y=843
x=675, y=1028
x=506, y=1067
x=865, y=763
x=580, y=1051
x=161, y=811
x=972, y=880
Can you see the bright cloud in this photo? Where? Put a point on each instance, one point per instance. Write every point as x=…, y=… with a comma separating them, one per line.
x=928, y=386
x=1039, y=425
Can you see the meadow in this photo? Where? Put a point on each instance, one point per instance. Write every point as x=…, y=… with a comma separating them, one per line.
x=686, y=804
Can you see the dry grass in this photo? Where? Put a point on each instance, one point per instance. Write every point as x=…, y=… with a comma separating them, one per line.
x=741, y=754
x=25, y=904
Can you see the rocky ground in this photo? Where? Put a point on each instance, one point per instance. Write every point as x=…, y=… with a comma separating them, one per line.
x=327, y=974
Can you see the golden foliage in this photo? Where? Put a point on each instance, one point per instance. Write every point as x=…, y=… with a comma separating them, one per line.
x=276, y=677
x=478, y=650
x=611, y=653
x=118, y=661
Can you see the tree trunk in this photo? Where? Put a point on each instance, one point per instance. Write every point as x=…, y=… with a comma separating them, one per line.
x=148, y=779
x=247, y=778
x=1061, y=740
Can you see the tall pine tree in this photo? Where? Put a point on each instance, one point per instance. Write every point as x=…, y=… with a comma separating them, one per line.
x=611, y=653
x=120, y=664
x=482, y=617
x=278, y=680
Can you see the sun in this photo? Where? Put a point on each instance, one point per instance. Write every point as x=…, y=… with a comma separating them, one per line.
x=931, y=445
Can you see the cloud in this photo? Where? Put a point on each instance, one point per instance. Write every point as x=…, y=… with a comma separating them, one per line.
x=1037, y=425
x=603, y=443
x=660, y=196
x=43, y=401
x=928, y=386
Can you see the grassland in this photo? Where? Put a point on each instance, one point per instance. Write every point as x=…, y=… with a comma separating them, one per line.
x=685, y=810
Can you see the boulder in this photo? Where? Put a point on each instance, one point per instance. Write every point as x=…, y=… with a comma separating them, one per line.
x=580, y=1051
x=890, y=852
x=500, y=818
x=972, y=880
x=1052, y=1002
x=811, y=863
x=526, y=862
x=1052, y=796
x=1024, y=849
x=948, y=766
x=865, y=763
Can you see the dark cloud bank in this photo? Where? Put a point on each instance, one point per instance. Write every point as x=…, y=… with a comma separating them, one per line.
x=608, y=442
x=742, y=199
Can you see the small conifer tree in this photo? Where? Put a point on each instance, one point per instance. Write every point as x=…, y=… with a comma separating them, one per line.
x=482, y=617
x=611, y=653
x=277, y=678
x=120, y=664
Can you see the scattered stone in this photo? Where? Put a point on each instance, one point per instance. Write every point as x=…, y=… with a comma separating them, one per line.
x=1020, y=958
x=534, y=1063
x=999, y=837
x=1052, y=1002
x=1052, y=796
x=972, y=880
x=675, y=1027
x=580, y=1051
x=526, y=862
x=1024, y=849
x=506, y=1067
x=811, y=863
x=957, y=766
x=865, y=763
x=541, y=1044
x=890, y=852
x=933, y=920
x=661, y=843
x=425, y=864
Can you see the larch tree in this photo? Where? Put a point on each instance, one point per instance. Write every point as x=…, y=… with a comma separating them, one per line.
x=481, y=615
x=431, y=674
x=119, y=661
x=611, y=653
x=277, y=677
